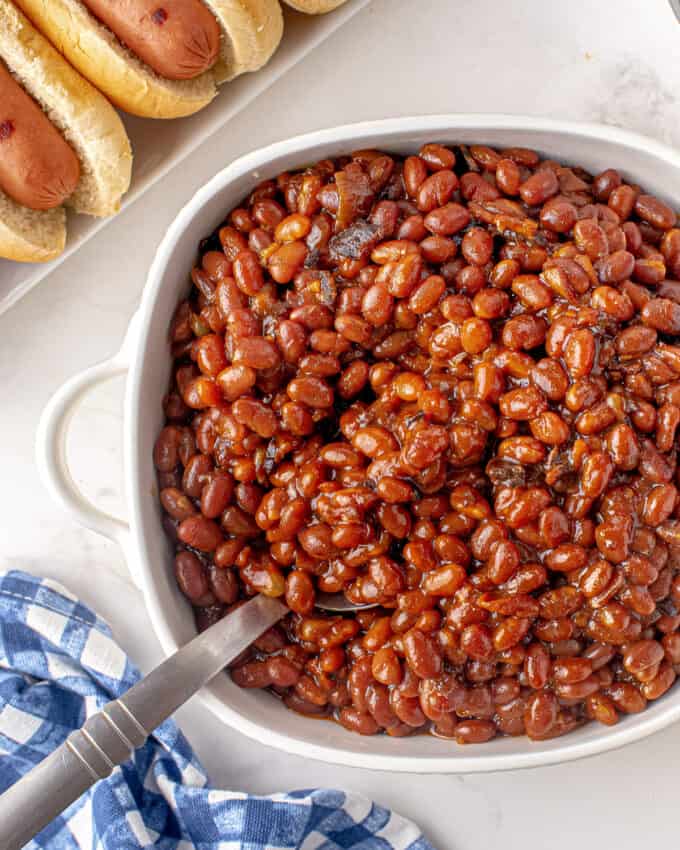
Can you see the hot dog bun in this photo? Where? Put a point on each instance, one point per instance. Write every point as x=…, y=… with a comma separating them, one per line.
x=251, y=31
x=315, y=7
x=86, y=120
x=29, y=236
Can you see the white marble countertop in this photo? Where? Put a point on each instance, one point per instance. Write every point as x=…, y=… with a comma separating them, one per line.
x=613, y=61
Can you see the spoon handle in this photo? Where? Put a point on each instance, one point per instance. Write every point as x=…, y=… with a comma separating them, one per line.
x=108, y=738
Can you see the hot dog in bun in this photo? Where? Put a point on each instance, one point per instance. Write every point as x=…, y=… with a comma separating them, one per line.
x=160, y=58
x=61, y=144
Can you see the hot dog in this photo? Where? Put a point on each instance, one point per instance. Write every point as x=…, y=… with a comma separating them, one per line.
x=160, y=58
x=37, y=167
x=61, y=144
x=179, y=39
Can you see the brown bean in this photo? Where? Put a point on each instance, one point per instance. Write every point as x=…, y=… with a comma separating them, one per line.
x=447, y=219
x=176, y=503
x=191, y=576
x=539, y=187
x=662, y=315
x=422, y=654
x=540, y=716
x=248, y=273
x=655, y=212
x=436, y=190
x=474, y=731
x=200, y=533
x=314, y=392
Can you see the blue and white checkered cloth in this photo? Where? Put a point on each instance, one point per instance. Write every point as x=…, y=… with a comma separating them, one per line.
x=58, y=665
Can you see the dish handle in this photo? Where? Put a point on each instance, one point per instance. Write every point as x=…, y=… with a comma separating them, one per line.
x=51, y=452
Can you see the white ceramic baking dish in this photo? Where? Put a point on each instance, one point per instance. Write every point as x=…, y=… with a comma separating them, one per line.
x=145, y=358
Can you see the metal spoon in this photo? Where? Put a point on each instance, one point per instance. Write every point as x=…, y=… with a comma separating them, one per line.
x=108, y=738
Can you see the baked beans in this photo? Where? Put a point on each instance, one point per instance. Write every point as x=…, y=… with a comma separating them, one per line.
x=447, y=385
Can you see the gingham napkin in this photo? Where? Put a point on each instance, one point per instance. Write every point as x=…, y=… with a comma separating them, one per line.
x=59, y=664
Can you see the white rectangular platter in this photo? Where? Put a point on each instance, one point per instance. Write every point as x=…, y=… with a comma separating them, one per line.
x=160, y=146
